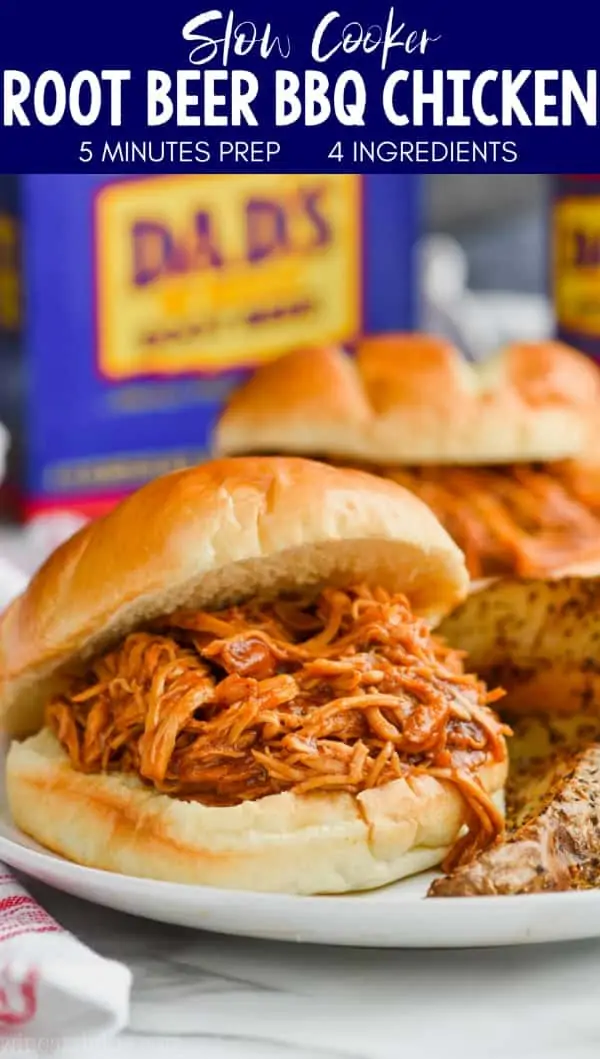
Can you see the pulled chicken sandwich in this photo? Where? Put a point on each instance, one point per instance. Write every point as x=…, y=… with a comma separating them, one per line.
x=246, y=691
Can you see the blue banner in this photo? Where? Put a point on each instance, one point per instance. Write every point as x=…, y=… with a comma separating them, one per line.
x=124, y=87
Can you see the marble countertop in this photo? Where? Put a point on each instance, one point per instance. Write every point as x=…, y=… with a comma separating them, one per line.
x=199, y=994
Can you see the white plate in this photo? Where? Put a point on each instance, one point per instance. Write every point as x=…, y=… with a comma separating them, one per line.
x=394, y=917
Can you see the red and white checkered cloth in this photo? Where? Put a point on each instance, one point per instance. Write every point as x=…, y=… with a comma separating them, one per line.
x=52, y=986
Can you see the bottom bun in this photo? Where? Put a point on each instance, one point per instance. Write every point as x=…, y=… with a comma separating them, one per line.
x=285, y=843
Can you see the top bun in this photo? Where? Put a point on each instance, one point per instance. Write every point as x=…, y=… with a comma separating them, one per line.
x=414, y=399
x=209, y=536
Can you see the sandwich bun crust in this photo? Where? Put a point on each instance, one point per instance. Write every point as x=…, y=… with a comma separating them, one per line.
x=310, y=402
x=414, y=399
x=286, y=843
x=209, y=536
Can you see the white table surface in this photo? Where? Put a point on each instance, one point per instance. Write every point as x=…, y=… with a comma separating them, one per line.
x=197, y=994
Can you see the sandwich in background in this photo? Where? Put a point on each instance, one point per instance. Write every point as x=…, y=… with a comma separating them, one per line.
x=499, y=450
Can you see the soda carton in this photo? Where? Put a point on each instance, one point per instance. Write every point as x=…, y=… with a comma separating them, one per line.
x=130, y=306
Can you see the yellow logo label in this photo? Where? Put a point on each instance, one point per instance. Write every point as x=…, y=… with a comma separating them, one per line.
x=577, y=264
x=205, y=273
x=10, y=284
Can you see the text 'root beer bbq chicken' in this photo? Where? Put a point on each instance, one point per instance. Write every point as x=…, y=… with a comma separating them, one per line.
x=500, y=451
x=231, y=680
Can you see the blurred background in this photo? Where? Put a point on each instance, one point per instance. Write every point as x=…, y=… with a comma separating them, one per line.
x=472, y=251
x=486, y=259
x=501, y=221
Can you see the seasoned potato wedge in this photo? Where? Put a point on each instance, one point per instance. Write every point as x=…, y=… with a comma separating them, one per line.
x=539, y=639
x=553, y=802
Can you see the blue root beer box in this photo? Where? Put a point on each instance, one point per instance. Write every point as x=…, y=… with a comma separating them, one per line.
x=130, y=306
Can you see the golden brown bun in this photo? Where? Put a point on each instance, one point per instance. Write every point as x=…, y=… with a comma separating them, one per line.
x=410, y=398
x=205, y=537
x=320, y=843
x=309, y=402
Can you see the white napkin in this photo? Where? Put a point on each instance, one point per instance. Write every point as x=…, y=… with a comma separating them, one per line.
x=211, y=997
x=51, y=985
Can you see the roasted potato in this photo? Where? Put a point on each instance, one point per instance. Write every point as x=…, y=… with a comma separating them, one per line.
x=553, y=801
x=540, y=640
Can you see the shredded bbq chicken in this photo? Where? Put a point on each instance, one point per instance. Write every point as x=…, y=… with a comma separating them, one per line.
x=524, y=519
x=344, y=693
